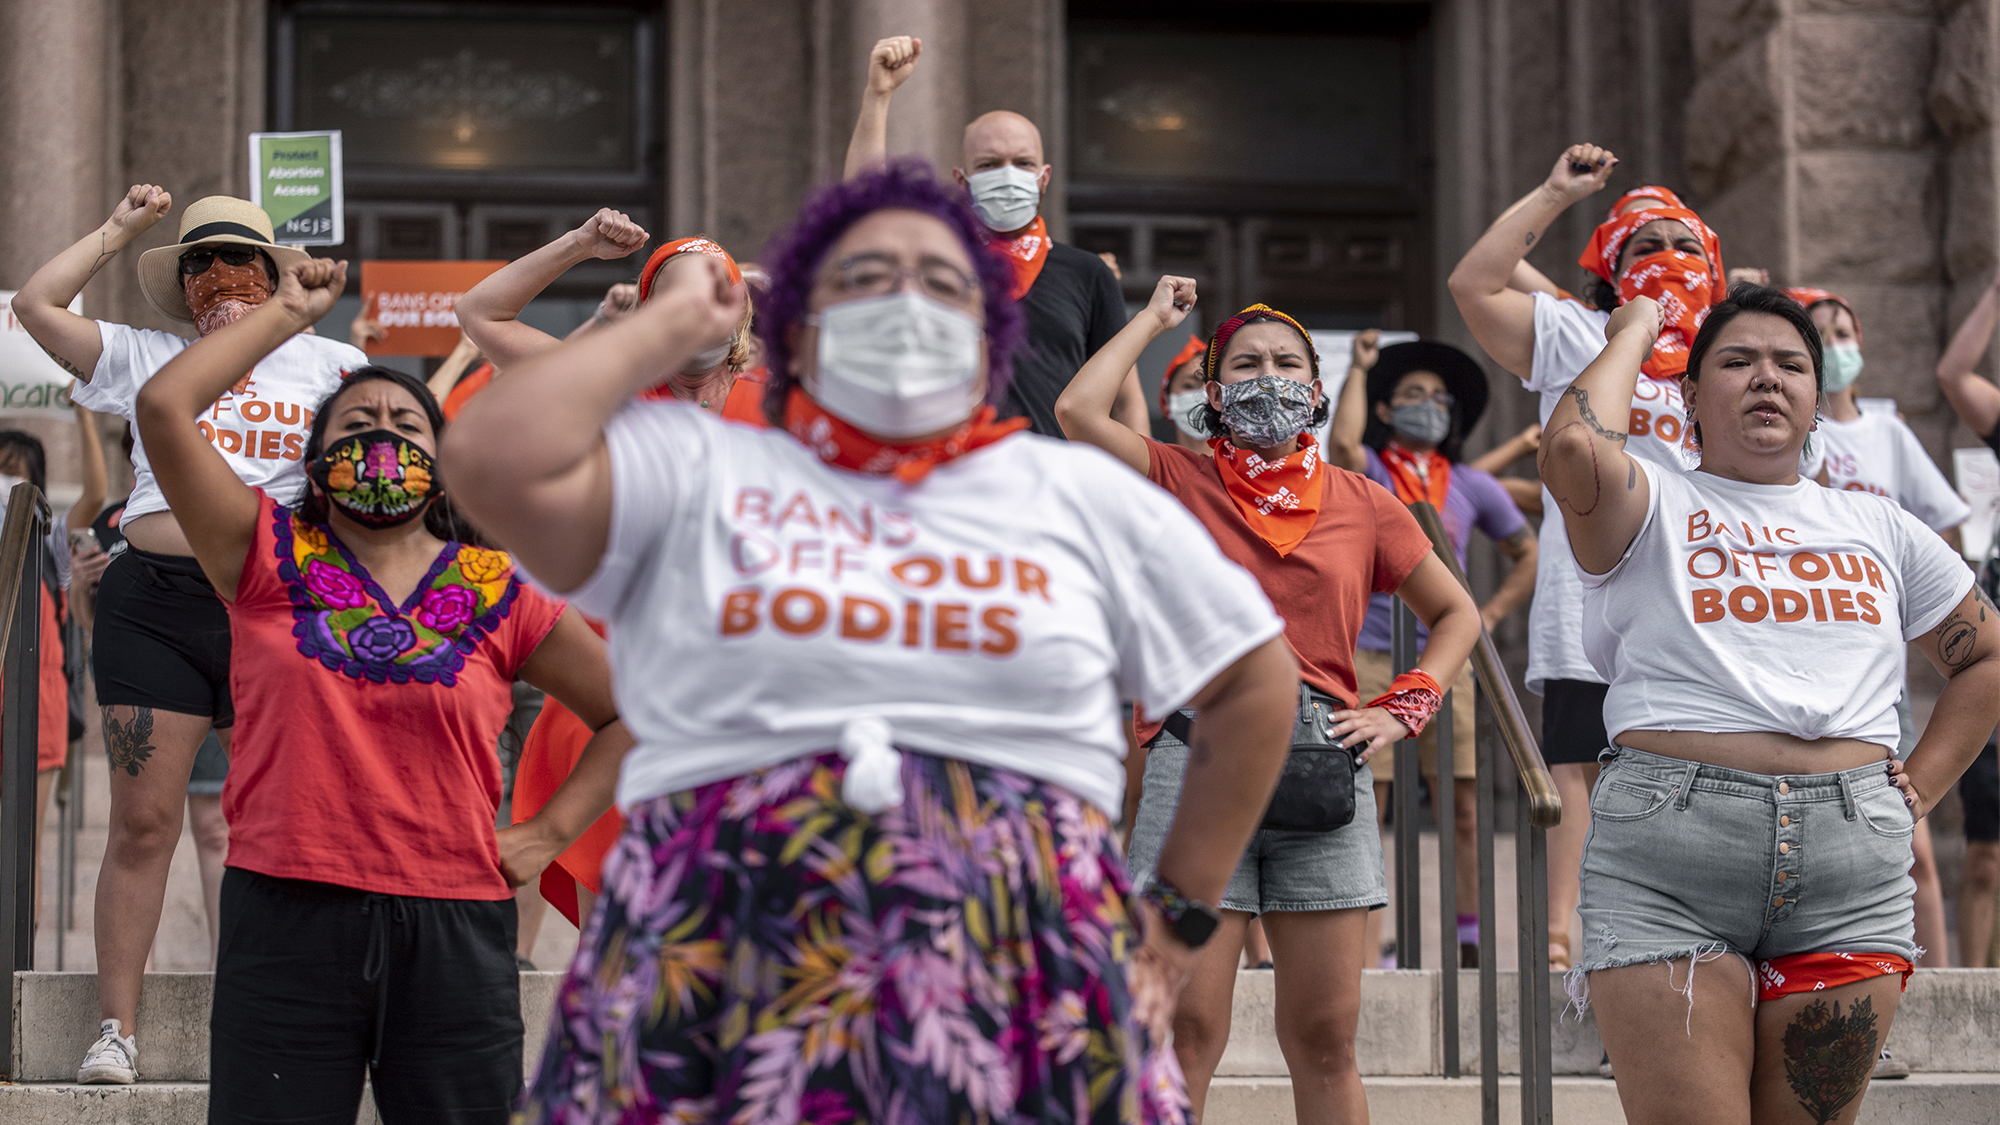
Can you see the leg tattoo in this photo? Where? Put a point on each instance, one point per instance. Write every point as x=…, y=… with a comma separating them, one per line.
x=1828, y=1058
x=129, y=746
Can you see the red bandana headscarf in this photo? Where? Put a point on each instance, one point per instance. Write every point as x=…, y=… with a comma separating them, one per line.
x=698, y=244
x=844, y=446
x=1278, y=499
x=1685, y=286
x=1025, y=254
x=1189, y=350
x=1808, y=296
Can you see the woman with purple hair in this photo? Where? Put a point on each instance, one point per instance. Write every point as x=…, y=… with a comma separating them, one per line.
x=874, y=658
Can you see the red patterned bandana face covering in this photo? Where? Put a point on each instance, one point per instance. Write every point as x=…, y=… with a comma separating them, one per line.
x=222, y=293
x=1684, y=289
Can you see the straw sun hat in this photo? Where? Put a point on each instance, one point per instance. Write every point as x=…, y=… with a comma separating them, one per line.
x=218, y=219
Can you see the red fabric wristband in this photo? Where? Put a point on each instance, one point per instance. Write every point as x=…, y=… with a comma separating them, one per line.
x=1413, y=697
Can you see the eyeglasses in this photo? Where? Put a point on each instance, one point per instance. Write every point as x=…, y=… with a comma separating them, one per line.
x=198, y=260
x=878, y=275
x=1414, y=395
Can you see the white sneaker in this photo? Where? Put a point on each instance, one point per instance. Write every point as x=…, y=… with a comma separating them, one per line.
x=112, y=1060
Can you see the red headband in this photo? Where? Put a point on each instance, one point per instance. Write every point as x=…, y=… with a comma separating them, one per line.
x=1189, y=350
x=699, y=244
x=1254, y=313
x=1601, y=256
x=1808, y=296
x=1653, y=192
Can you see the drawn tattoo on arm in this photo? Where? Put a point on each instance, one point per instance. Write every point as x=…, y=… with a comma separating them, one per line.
x=66, y=365
x=1589, y=416
x=1828, y=1057
x=104, y=252
x=1958, y=634
x=1531, y=238
x=1515, y=545
x=129, y=746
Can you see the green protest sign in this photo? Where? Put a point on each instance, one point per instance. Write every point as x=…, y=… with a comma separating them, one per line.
x=295, y=178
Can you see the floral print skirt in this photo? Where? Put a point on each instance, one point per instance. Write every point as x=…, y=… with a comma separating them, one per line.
x=764, y=954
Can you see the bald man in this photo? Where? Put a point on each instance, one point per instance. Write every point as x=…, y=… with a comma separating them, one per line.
x=1070, y=297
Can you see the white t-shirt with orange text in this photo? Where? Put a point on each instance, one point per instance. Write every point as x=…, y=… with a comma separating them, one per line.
x=259, y=426
x=1879, y=453
x=1753, y=607
x=760, y=600
x=1568, y=336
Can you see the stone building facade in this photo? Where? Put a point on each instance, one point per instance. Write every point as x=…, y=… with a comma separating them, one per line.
x=1843, y=143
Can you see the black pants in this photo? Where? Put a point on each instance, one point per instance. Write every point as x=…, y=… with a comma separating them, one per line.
x=316, y=985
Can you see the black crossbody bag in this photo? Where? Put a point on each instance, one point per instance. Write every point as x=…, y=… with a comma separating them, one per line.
x=1316, y=791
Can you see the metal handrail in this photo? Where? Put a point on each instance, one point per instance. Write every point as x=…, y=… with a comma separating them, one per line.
x=1544, y=802
x=21, y=540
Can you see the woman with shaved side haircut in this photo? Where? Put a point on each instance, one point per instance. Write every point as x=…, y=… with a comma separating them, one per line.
x=1746, y=897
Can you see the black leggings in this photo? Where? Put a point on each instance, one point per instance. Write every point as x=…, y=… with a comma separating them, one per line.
x=316, y=985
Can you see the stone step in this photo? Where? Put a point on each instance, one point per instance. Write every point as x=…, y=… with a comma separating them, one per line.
x=1948, y=1021
x=1921, y=1099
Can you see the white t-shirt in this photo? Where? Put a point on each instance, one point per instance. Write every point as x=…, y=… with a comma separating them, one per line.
x=260, y=429
x=1568, y=336
x=1765, y=607
x=760, y=601
x=1878, y=453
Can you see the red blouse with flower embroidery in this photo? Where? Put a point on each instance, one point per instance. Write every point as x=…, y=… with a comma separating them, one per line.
x=365, y=732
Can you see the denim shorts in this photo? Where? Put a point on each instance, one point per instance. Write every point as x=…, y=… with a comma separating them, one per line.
x=1685, y=859
x=1281, y=870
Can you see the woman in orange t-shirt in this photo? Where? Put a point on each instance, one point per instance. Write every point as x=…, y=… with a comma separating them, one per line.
x=368, y=921
x=1320, y=540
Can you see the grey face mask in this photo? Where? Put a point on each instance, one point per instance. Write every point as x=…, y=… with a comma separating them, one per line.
x=1426, y=422
x=1268, y=410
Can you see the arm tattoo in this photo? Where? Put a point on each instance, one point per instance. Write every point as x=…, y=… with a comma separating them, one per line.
x=66, y=365
x=129, y=746
x=104, y=253
x=1631, y=476
x=1828, y=1058
x=1518, y=542
x=1531, y=238
x=1589, y=416
x=1958, y=634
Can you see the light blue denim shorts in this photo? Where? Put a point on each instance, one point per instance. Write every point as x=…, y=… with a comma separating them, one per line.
x=1687, y=859
x=1281, y=870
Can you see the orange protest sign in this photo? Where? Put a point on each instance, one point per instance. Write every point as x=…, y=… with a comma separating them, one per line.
x=413, y=302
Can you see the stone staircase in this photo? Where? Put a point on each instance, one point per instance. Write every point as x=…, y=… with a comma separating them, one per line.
x=1947, y=1029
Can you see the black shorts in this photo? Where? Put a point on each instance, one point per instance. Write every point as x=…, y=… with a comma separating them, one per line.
x=318, y=985
x=1573, y=722
x=162, y=638
x=1980, y=790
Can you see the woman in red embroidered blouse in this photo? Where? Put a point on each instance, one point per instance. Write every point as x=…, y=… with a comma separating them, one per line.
x=1320, y=540
x=368, y=922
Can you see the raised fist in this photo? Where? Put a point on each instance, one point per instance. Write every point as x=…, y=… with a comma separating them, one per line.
x=1637, y=314
x=308, y=289
x=1173, y=298
x=143, y=205
x=610, y=234
x=618, y=300
x=696, y=291
x=1582, y=170
x=892, y=62
x=1367, y=349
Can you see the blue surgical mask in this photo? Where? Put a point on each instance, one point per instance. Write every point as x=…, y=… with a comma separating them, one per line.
x=1843, y=366
x=1425, y=422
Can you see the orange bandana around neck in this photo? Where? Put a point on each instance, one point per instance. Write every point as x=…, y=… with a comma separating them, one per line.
x=1025, y=254
x=1278, y=499
x=1419, y=477
x=842, y=445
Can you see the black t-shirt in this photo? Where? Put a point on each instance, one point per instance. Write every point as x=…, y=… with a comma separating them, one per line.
x=1073, y=309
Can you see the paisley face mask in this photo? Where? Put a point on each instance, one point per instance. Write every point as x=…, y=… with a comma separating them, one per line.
x=223, y=293
x=1267, y=410
x=377, y=479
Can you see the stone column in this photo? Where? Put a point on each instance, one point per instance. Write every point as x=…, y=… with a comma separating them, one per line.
x=1810, y=141
x=1965, y=103
x=53, y=83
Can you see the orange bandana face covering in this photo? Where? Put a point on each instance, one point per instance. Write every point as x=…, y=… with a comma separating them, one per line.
x=1420, y=477
x=1684, y=289
x=222, y=293
x=845, y=447
x=1278, y=499
x=1025, y=254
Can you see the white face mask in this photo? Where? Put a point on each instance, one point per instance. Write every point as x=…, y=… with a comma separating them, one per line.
x=898, y=366
x=1006, y=197
x=1181, y=405
x=703, y=362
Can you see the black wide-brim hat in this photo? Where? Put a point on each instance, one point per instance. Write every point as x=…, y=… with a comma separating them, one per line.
x=1462, y=376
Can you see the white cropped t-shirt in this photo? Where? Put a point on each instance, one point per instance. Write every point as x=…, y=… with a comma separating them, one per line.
x=1753, y=607
x=761, y=601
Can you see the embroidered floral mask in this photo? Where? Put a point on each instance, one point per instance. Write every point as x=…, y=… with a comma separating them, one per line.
x=377, y=479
